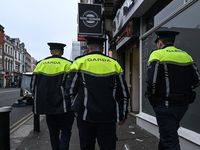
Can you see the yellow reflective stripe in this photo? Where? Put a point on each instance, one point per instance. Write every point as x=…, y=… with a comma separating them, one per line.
x=53, y=66
x=170, y=54
x=93, y=63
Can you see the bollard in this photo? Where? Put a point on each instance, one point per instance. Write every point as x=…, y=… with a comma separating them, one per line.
x=5, y=127
x=36, y=123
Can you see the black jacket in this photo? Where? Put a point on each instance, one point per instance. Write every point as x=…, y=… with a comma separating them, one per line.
x=97, y=89
x=47, y=85
x=171, y=71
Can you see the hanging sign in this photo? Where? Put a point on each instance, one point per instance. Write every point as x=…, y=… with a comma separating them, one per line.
x=89, y=19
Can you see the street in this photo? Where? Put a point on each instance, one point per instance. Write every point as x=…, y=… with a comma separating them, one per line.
x=8, y=96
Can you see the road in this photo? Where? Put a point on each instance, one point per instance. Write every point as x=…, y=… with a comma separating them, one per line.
x=18, y=115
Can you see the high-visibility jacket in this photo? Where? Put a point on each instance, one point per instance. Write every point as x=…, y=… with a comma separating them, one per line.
x=97, y=89
x=47, y=85
x=171, y=71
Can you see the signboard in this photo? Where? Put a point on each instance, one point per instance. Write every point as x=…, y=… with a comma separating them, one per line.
x=128, y=32
x=81, y=38
x=129, y=9
x=89, y=19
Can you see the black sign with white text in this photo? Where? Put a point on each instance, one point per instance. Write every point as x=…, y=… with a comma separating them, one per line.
x=89, y=19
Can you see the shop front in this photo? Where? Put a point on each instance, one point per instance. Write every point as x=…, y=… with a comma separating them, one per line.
x=185, y=19
x=133, y=29
x=127, y=47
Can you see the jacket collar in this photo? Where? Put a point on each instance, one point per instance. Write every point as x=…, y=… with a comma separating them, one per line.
x=93, y=52
x=167, y=45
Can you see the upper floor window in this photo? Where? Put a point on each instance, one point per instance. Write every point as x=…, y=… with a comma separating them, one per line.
x=18, y=56
x=15, y=54
x=6, y=48
x=17, y=67
x=11, y=65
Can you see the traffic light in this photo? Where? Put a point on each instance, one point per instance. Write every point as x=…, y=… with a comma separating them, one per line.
x=6, y=76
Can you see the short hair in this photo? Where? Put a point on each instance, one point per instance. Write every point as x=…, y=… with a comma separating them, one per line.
x=57, y=52
x=95, y=47
x=167, y=41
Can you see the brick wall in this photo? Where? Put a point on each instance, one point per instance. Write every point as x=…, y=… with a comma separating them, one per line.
x=2, y=42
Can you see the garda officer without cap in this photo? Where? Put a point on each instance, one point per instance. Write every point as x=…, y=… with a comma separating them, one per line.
x=48, y=88
x=99, y=96
x=171, y=77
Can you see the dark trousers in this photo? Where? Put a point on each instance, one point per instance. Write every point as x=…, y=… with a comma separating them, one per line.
x=168, y=120
x=60, y=126
x=105, y=133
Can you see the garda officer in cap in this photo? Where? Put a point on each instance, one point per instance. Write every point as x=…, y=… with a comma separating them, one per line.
x=48, y=88
x=171, y=77
x=99, y=96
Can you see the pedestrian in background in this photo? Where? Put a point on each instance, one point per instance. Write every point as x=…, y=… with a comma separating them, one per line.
x=171, y=77
x=15, y=83
x=99, y=96
x=47, y=86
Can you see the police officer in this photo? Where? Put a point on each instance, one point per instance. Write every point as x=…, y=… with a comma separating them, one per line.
x=99, y=96
x=47, y=86
x=171, y=77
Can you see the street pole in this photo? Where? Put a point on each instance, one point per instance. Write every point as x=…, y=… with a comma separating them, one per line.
x=5, y=127
x=36, y=123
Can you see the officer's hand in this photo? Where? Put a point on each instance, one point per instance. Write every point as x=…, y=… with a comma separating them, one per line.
x=147, y=94
x=122, y=122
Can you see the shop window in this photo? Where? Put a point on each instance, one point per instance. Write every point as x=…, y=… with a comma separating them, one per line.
x=159, y=11
x=187, y=40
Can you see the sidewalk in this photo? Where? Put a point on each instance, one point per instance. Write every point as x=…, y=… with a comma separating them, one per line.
x=129, y=135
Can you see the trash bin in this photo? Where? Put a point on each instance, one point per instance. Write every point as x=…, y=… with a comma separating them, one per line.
x=5, y=127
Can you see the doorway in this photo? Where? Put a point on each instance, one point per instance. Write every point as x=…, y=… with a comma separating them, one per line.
x=132, y=77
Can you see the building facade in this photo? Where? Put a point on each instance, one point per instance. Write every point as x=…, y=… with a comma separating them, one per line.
x=28, y=62
x=17, y=60
x=1, y=56
x=130, y=27
x=33, y=64
x=78, y=48
x=8, y=60
x=23, y=57
x=14, y=60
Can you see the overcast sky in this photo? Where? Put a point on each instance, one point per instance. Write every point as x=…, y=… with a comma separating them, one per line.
x=37, y=22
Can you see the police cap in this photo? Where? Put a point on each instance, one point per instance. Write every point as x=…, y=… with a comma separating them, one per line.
x=56, y=46
x=95, y=40
x=165, y=34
